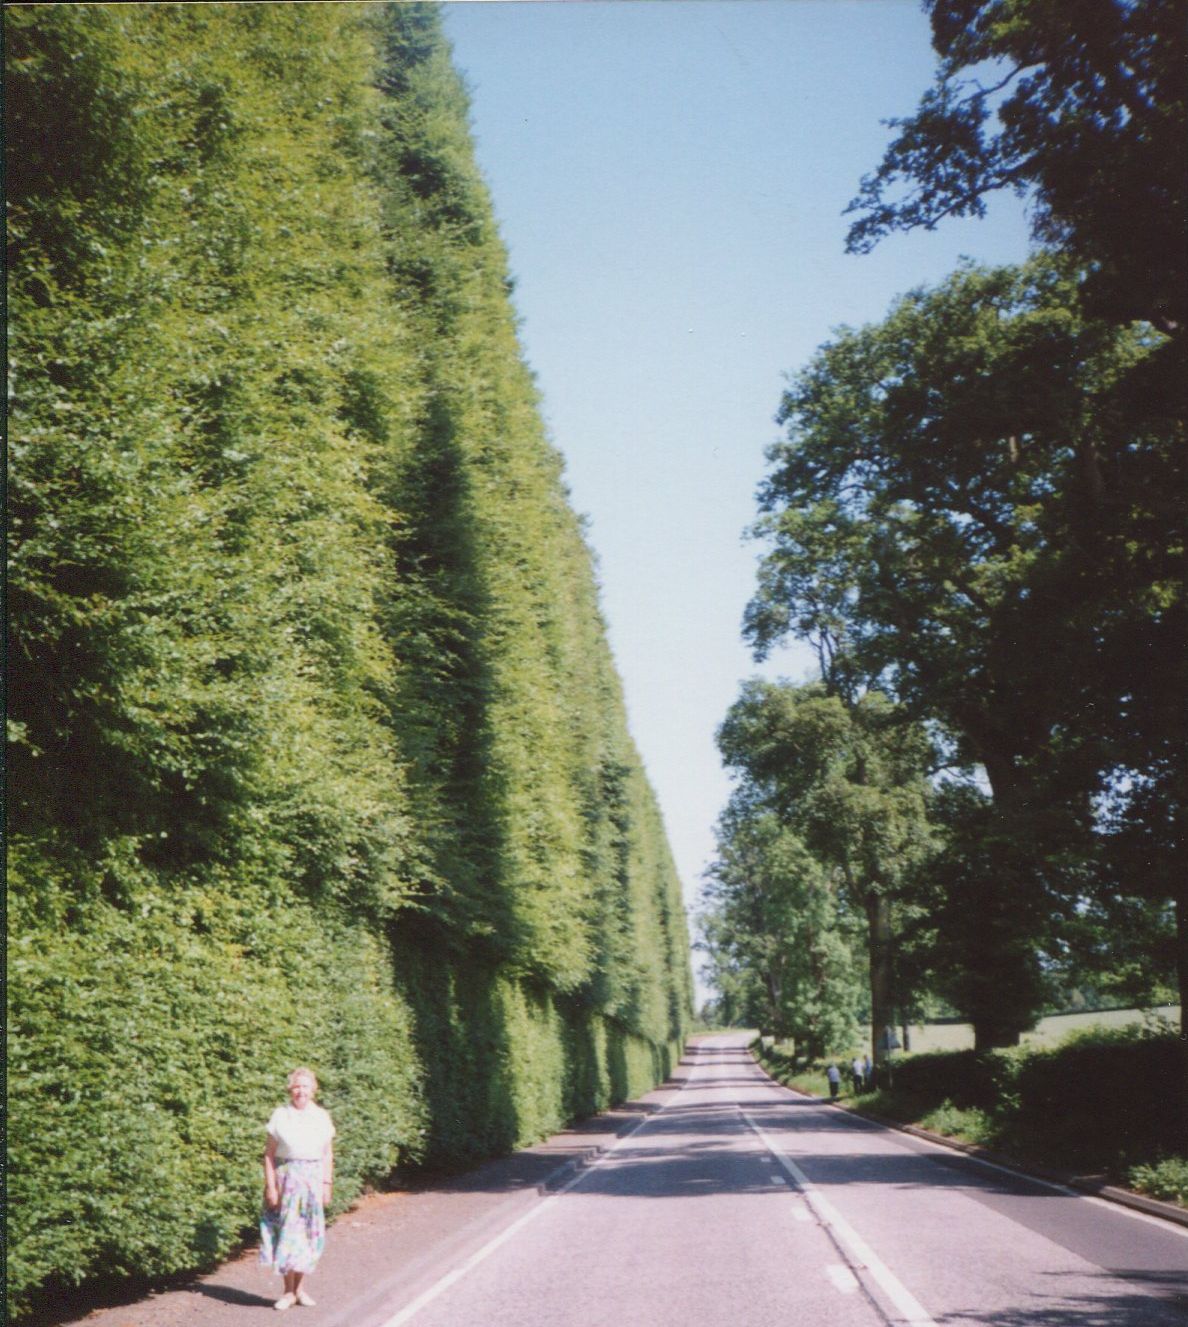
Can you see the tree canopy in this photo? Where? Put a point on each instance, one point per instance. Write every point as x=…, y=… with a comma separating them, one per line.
x=846, y=778
x=938, y=511
x=1084, y=109
x=780, y=943
x=965, y=515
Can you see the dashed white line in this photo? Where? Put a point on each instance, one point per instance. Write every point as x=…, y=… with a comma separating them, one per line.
x=861, y=1254
x=842, y=1278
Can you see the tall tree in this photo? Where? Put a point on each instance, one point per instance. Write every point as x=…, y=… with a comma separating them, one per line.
x=848, y=778
x=1085, y=108
x=779, y=940
x=938, y=509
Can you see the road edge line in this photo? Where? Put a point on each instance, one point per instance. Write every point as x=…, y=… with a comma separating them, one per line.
x=480, y=1255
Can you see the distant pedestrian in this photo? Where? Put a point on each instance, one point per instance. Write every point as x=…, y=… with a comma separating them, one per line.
x=298, y=1182
x=857, y=1074
x=867, y=1078
x=833, y=1073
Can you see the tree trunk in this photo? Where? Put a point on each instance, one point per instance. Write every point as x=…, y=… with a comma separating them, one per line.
x=775, y=1006
x=1011, y=994
x=882, y=1006
x=1181, y=904
x=989, y=1035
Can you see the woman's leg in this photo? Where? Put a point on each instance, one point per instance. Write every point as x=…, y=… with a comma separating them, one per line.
x=303, y=1296
x=289, y=1298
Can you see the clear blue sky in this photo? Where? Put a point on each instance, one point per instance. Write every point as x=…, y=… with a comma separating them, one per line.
x=669, y=178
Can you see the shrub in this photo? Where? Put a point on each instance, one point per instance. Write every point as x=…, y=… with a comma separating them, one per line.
x=311, y=673
x=969, y=1125
x=1100, y=1100
x=1166, y=1179
x=145, y=1053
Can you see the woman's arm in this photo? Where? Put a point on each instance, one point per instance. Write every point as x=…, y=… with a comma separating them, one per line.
x=327, y=1171
x=271, y=1192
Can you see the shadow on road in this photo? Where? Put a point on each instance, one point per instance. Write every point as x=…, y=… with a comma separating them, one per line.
x=232, y=1295
x=1163, y=1302
x=536, y=1166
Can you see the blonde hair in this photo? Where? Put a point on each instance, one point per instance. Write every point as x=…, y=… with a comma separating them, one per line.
x=302, y=1072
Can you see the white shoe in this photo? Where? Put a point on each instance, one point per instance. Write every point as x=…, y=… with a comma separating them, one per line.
x=306, y=1301
x=286, y=1301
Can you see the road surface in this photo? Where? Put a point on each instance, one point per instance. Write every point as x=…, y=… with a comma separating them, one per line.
x=727, y=1201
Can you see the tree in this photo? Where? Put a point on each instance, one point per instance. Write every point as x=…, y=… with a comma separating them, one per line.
x=780, y=949
x=848, y=778
x=958, y=516
x=1085, y=108
x=991, y=916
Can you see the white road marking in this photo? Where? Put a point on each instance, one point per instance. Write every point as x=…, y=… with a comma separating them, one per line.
x=842, y=1277
x=439, y=1287
x=1119, y=1210
x=910, y=1308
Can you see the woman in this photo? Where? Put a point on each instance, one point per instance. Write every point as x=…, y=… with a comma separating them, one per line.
x=298, y=1182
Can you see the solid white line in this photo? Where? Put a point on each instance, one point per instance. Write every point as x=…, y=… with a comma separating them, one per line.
x=1120, y=1210
x=910, y=1308
x=439, y=1288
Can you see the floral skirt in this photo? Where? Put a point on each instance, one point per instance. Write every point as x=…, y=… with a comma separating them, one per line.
x=293, y=1235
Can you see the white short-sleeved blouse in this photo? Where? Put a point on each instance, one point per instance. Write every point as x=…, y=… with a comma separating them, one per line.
x=301, y=1135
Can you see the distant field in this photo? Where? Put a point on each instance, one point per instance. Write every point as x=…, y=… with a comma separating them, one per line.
x=959, y=1036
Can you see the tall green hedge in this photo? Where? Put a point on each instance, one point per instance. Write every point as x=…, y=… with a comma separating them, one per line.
x=316, y=749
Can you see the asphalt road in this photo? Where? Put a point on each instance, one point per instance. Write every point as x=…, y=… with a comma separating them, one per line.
x=725, y=1201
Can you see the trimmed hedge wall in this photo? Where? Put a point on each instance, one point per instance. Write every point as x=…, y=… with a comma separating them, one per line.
x=145, y=1051
x=511, y=1062
x=317, y=752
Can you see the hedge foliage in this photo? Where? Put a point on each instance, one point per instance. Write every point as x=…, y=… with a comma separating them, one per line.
x=317, y=751
x=1104, y=1099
